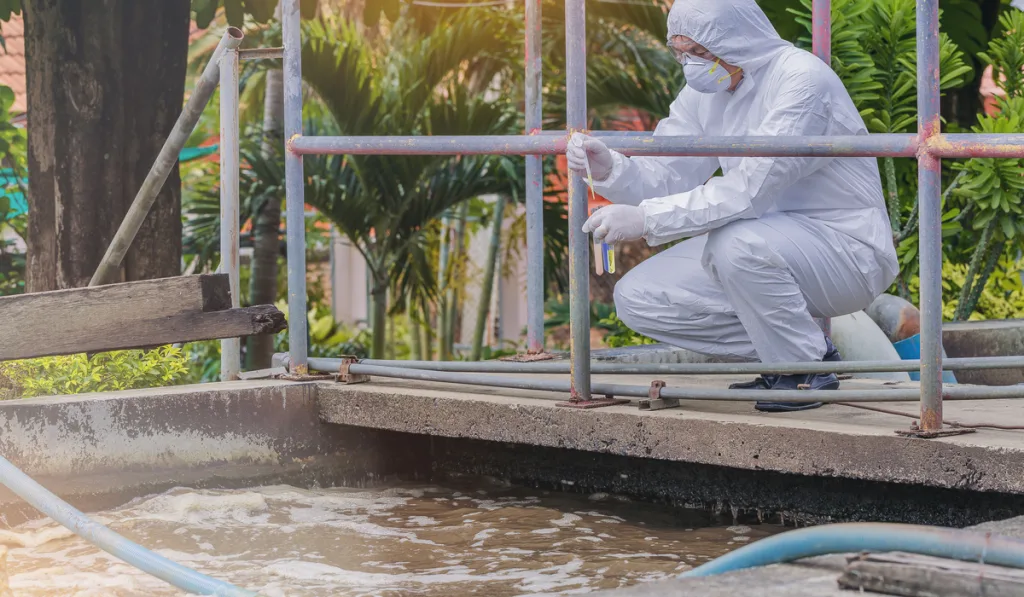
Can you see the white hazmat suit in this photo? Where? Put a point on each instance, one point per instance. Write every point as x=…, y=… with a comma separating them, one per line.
x=775, y=241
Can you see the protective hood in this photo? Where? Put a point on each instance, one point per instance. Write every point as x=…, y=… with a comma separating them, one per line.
x=737, y=31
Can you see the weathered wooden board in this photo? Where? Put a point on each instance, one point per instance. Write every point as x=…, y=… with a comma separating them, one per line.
x=919, y=576
x=130, y=315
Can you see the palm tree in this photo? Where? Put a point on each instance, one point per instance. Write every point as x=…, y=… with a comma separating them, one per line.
x=411, y=83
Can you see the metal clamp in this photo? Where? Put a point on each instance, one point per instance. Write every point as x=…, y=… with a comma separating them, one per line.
x=345, y=375
x=654, y=400
x=916, y=431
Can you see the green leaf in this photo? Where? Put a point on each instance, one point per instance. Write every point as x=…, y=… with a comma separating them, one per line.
x=235, y=12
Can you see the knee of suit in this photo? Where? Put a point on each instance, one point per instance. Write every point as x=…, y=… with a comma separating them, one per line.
x=631, y=300
x=735, y=249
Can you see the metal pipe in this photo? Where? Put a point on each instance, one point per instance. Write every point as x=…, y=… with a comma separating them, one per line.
x=954, y=544
x=633, y=144
x=295, y=216
x=963, y=364
x=165, y=160
x=260, y=53
x=821, y=34
x=821, y=30
x=988, y=145
x=930, y=215
x=579, y=245
x=645, y=144
x=686, y=393
x=42, y=499
x=534, y=186
x=230, y=348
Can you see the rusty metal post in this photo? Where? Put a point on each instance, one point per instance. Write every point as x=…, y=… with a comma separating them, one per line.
x=534, y=187
x=295, y=216
x=821, y=33
x=230, y=348
x=930, y=209
x=579, y=247
x=821, y=29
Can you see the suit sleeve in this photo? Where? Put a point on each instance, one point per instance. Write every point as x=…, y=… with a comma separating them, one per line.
x=633, y=180
x=800, y=108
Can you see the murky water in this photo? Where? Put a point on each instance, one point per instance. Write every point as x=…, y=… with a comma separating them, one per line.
x=414, y=540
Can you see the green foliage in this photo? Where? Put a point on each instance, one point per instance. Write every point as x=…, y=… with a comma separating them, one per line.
x=78, y=374
x=620, y=336
x=327, y=338
x=1006, y=54
x=994, y=188
x=1002, y=297
x=13, y=162
x=261, y=11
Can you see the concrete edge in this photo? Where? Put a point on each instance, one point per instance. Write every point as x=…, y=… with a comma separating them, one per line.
x=627, y=431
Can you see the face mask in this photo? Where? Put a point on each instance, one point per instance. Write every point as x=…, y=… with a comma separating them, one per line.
x=706, y=77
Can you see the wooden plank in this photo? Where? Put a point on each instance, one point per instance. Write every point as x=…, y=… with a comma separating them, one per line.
x=129, y=315
x=912, y=575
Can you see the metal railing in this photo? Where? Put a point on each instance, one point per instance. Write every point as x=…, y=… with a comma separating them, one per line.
x=928, y=146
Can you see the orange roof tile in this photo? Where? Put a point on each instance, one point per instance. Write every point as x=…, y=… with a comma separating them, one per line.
x=12, y=62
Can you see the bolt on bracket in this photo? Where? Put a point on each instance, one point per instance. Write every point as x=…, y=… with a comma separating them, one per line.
x=345, y=375
x=916, y=431
x=654, y=400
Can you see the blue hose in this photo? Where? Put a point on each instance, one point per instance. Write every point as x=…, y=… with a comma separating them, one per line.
x=940, y=542
x=184, y=578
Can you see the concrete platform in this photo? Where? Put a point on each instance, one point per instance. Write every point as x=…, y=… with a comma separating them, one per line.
x=831, y=442
x=811, y=577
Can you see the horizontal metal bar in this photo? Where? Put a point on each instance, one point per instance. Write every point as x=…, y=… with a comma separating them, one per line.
x=645, y=144
x=964, y=364
x=964, y=145
x=634, y=391
x=629, y=144
x=847, y=146
x=260, y=53
x=435, y=145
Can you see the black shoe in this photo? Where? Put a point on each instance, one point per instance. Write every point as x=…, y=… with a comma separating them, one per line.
x=767, y=381
x=810, y=382
x=821, y=381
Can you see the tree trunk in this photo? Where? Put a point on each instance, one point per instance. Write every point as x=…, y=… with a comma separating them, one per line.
x=379, y=293
x=266, y=239
x=487, y=287
x=106, y=81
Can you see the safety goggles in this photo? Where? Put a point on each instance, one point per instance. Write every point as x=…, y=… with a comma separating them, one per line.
x=683, y=57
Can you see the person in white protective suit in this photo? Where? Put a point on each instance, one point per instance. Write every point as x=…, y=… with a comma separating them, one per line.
x=772, y=242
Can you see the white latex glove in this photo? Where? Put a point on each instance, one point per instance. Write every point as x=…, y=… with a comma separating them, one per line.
x=583, y=147
x=616, y=224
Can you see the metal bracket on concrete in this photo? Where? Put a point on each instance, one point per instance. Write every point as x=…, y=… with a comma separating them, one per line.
x=916, y=431
x=655, y=401
x=528, y=357
x=608, y=400
x=307, y=377
x=344, y=376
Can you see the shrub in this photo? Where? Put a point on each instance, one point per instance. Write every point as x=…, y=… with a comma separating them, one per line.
x=619, y=335
x=79, y=374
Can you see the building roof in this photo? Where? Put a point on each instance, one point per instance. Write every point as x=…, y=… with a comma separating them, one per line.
x=12, y=62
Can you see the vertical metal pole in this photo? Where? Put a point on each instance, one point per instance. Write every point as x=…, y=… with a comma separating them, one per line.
x=821, y=29
x=294, y=189
x=579, y=245
x=821, y=32
x=230, y=348
x=534, y=186
x=930, y=189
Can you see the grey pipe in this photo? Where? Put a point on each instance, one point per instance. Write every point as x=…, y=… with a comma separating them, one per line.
x=634, y=391
x=962, y=364
x=165, y=160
